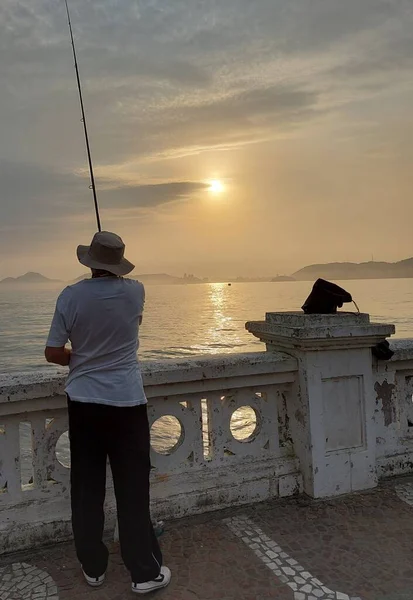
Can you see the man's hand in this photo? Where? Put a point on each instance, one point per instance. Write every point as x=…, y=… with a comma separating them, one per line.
x=58, y=356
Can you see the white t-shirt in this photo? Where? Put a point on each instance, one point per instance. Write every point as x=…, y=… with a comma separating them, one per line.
x=100, y=317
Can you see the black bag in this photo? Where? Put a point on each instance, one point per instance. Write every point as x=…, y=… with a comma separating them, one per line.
x=382, y=351
x=325, y=298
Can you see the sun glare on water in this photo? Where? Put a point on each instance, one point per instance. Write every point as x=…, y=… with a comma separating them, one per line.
x=216, y=186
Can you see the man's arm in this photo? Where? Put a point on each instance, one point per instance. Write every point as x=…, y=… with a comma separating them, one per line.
x=56, y=351
x=58, y=356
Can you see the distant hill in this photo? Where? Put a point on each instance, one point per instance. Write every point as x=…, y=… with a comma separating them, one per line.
x=81, y=277
x=366, y=270
x=332, y=271
x=28, y=278
x=155, y=279
x=164, y=278
x=283, y=278
x=158, y=278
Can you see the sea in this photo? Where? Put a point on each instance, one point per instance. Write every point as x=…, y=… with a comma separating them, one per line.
x=182, y=321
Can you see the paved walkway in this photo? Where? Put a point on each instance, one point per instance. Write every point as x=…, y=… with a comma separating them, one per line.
x=358, y=547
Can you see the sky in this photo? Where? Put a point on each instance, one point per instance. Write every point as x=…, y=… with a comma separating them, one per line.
x=300, y=109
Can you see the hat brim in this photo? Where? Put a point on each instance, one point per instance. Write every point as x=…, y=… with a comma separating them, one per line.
x=122, y=268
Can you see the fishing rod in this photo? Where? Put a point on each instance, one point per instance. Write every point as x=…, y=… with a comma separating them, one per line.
x=92, y=185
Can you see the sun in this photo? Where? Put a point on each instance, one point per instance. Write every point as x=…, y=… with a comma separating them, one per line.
x=216, y=186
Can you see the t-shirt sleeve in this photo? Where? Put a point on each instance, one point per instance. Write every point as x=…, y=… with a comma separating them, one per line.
x=139, y=297
x=59, y=330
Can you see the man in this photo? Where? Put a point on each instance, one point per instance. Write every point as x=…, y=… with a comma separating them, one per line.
x=107, y=412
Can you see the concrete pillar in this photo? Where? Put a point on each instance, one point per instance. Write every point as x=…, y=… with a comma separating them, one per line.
x=332, y=412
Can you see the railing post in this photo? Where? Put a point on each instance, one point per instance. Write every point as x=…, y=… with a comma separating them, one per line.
x=332, y=412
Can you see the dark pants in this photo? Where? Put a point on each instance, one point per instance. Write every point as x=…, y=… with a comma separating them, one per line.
x=97, y=432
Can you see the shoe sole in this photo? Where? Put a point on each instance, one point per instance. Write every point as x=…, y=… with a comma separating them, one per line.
x=154, y=589
x=93, y=583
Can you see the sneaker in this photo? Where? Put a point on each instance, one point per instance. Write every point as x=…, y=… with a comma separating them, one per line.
x=94, y=581
x=163, y=579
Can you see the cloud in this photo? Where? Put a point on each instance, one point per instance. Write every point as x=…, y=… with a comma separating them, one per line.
x=150, y=196
x=46, y=61
x=267, y=29
x=321, y=24
x=30, y=192
x=277, y=100
x=235, y=119
x=176, y=78
x=162, y=76
x=146, y=68
x=35, y=196
x=388, y=56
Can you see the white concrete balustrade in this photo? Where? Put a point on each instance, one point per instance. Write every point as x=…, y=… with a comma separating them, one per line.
x=333, y=410
x=393, y=386
x=330, y=420
x=206, y=469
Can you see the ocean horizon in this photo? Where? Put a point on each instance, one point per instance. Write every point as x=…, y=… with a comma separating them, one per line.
x=181, y=321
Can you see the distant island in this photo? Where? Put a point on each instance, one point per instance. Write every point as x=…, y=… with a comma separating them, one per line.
x=283, y=278
x=333, y=271
x=366, y=270
x=29, y=278
x=251, y=279
x=156, y=279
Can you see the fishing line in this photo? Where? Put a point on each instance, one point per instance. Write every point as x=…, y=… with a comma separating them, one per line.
x=92, y=185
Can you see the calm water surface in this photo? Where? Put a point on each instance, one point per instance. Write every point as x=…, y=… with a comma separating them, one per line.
x=186, y=320
x=181, y=321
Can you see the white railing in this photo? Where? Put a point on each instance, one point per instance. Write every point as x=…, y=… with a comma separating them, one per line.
x=225, y=431
x=204, y=467
x=394, y=415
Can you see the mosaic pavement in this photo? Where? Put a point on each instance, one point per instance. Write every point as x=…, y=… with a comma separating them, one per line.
x=23, y=581
x=355, y=548
x=285, y=568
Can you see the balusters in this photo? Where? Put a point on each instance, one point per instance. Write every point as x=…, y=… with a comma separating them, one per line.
x=10, y=470
x=28, y=462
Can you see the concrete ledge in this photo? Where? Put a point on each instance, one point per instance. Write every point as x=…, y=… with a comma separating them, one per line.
x=395, y=465
x=403, y=349
x=298, y=327
x=27, y=386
